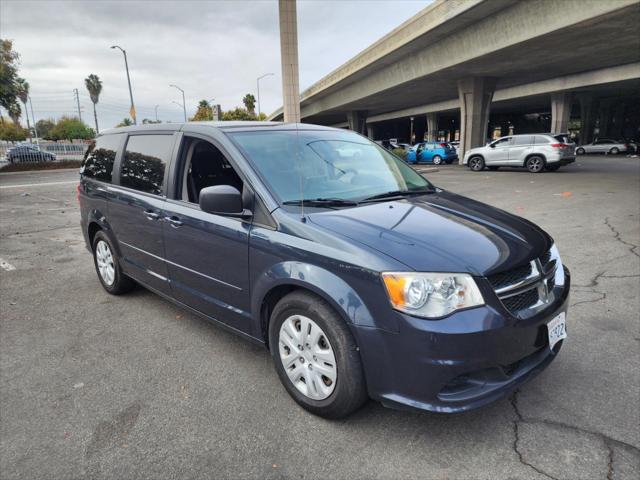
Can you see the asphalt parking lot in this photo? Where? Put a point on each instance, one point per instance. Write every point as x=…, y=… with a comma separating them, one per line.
x=97, y=386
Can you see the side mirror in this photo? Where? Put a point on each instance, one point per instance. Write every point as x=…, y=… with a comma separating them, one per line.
x=223, y=200
x=492, y=145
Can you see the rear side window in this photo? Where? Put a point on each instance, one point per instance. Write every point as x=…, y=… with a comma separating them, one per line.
x=144, y=163
x=98, y=162
x=523, y=140
x=540, y=140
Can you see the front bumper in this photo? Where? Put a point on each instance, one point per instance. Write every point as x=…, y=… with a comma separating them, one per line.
x=459, y=363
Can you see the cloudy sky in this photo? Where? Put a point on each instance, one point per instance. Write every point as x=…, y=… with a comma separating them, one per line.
x=212, y=49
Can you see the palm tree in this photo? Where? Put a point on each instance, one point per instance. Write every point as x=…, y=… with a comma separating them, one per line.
x=23, y=94
x=15, y=112
x=250, y=103
x=94, y=85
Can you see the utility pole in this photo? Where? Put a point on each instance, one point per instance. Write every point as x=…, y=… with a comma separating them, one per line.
x=157, y=112
x=35, y=128
x=184, y=105
x=132, y=110
x=258, y=84
x=289, y=60
x=75, y=91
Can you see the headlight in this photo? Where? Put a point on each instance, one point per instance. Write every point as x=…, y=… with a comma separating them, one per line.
x=431, y=295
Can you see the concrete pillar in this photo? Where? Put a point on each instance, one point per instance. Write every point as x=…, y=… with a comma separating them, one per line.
x=371, y=132
x=475, y=95
x=432, y=126
x=357, y=121
x=586, y=117
x=616, y=128
x=560, y=112
x=289, y=60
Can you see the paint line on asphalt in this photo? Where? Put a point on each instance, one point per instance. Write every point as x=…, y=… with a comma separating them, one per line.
x=6, y=265
x=29, y=185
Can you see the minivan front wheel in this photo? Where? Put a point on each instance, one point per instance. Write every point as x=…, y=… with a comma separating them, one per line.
x=476, y=163
x=535, y=164
x=316, y=356
x=108, y=267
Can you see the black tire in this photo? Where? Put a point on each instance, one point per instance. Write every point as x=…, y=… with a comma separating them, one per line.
x=350, y=390
x=121, y=283
x=476, y=163
x=580, y=151
x=493, y=169
x=614, y=151
x=437, y=159
x=535, y=164
x=552, y=168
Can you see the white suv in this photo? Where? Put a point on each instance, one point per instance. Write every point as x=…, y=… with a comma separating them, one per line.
x=535, y=152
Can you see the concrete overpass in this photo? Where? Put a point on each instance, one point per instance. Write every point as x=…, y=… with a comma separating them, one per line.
x=458, y=64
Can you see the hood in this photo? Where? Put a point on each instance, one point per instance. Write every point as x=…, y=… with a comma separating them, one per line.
x=441, y=232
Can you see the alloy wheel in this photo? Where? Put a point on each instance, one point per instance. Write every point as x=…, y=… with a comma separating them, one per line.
x=437, y=160
x=475, y=163
x=104, y=260
x=307, y=357
x=535, y=164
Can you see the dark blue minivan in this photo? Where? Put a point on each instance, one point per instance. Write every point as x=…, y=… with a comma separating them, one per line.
x=363, y=279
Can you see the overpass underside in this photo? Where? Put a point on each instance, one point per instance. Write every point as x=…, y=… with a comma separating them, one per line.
x=474, y=68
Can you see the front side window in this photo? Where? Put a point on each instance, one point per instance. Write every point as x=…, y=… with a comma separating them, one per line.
x=325, y=164
x=98, y=161
x=502, y=142
x=144, y=162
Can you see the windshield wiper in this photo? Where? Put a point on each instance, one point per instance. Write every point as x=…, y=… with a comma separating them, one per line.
x=322, y=202
x=397, y=193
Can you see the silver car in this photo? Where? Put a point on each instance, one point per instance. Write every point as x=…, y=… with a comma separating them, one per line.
x=603, y=145
x=535, y=152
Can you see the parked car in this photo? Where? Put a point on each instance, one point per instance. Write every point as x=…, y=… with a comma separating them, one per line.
x=603, y=145
x=361, y=277
x=456, y=147
x=432, y=152
x=28, y=153
x=535, y=152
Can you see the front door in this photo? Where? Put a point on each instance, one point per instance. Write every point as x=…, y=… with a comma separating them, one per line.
x=207, y=255
x=498, y=153
x=136, y=208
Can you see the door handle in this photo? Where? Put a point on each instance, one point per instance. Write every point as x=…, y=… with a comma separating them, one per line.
x=173, y=221
x=151, y=215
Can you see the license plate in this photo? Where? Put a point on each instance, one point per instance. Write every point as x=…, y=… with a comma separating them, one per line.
x=557, y=329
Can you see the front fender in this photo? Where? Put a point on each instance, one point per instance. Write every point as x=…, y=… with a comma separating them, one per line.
x=322, y=282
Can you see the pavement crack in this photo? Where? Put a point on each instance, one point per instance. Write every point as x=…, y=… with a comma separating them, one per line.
x=610, y=463
x=631, y=246
x=603, y=295
x=516, y=426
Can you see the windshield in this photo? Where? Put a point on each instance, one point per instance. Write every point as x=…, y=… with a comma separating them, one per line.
x=326, y=164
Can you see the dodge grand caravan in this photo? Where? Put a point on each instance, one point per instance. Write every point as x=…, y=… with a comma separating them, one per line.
x=362, y=278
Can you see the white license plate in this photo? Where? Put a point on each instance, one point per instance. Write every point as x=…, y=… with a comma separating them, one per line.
x=557, y=329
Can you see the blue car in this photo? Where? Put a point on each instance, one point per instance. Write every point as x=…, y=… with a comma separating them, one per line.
x=361, y=278
x=432, y=152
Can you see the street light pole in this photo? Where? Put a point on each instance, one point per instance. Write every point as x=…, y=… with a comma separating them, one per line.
x=184, y=105
x=35, y=128
x=132, y=112
x=258, y=84
x=157, y=112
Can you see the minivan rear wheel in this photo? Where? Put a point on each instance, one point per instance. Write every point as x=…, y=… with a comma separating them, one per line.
x=535, y=164
x=108, y=268
x=476, y=163
x=316, y=356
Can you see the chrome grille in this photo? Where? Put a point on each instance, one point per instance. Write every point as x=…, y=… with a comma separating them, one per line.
x=526, y=289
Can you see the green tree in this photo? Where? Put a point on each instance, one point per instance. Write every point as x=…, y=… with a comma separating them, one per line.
x=126, y=122
x=71, y=128
x=12, y=132
x=203, y=113
x=237, y=114
x=94, y=86
x=44, y=127
x=250, y=103
x=148, y=121
x=9, y=60
x=23, y=95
